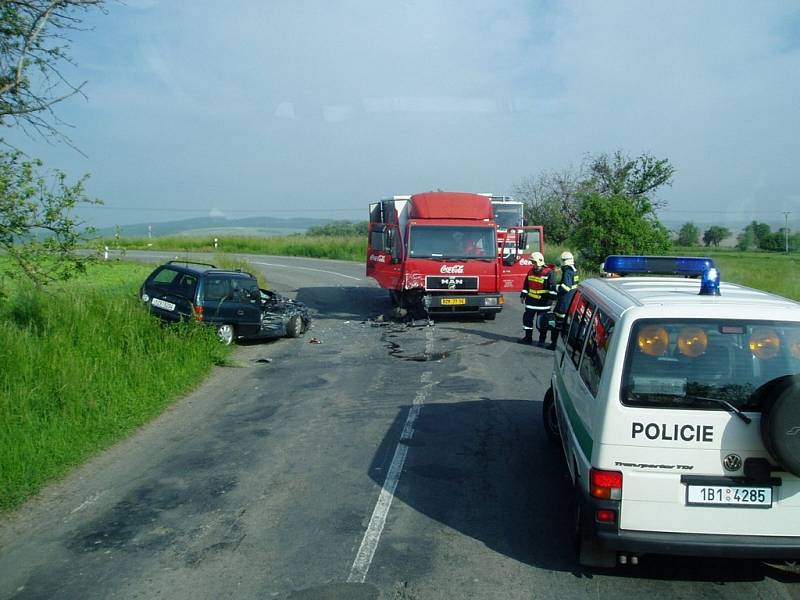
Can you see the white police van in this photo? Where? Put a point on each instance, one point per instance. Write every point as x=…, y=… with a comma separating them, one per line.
x=677, y=403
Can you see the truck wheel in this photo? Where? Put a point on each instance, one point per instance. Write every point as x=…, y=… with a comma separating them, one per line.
x=779, y=426
x=589, y=552
x=549, y=416
x=294, y=327
x=225, y=333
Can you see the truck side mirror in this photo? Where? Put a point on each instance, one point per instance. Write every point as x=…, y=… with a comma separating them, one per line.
x=509, y=259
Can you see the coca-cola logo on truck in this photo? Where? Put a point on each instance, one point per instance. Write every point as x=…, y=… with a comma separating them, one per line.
x=377, y=258
x=453, y=269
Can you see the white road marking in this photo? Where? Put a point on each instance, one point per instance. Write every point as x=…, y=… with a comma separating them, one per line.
x=255, y=262
x=363, y=560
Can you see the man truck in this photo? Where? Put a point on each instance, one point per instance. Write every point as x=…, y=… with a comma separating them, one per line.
x=437, y=252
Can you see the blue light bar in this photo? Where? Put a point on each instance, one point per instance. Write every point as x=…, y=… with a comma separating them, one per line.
x=686, y=266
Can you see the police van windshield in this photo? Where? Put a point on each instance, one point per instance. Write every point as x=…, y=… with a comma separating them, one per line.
x=697, y=363
x=451, y=242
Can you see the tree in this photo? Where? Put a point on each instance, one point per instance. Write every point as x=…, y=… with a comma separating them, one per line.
x=746, y=239
x=689, y=235
x=615, y=225
x=552, y=200
x=37, y=228
x=34, y=46
x=755, y=234
x=632, y=178
x=715, y=234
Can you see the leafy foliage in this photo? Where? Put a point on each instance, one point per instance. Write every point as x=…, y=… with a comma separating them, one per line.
x=552, y=200
x=340, y=229
x=555, y=199
x=37, y=228
x=715, y=234
x=34, y=45
x=632, y=178
x=615, y=225
x=689, y=235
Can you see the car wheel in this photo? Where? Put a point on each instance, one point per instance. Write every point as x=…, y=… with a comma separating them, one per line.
x=294, y=327
x=225, y=333
x=549, y=417
x=489, y=316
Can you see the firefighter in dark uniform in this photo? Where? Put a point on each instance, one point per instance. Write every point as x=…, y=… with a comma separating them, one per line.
x=565, y=290
x=538, y=293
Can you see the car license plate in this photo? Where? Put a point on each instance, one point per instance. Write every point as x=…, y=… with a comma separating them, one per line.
x=162, y=304
x=450, y=301
x=729, y=495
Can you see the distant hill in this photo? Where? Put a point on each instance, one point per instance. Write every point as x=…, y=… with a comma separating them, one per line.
x=216, y=226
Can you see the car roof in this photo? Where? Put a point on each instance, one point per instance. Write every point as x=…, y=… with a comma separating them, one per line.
x=203, y=269
x=622, y=293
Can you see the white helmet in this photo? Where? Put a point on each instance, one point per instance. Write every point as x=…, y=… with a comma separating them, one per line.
x=567, y=259
x=538, y=259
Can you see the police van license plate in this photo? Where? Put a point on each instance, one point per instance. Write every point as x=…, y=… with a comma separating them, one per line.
x=162, y=304
x=450, y=301
x=726, y=495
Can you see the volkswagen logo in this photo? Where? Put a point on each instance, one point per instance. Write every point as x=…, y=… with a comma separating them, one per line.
x=732, y=462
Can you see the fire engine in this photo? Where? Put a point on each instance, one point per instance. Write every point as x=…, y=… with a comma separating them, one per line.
x=437, y=252
x=516, y=239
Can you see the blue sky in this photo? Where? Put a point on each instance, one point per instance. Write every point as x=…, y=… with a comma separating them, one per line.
x=317, y=108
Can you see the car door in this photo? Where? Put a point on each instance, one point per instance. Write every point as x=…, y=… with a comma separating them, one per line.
x=225, y=299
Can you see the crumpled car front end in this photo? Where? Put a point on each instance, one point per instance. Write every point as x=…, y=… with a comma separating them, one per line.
x=282, y=316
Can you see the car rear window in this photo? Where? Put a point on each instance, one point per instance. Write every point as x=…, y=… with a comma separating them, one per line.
x=696, y=363
x=165, y=277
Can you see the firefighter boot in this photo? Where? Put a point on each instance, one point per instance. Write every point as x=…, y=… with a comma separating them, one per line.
x=553, y=335
x=528, y=339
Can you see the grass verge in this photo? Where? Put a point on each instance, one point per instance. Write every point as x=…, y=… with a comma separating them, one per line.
x=81, y=366
x=353, y=248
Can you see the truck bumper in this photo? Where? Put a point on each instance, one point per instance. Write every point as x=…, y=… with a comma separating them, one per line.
x=464, y=304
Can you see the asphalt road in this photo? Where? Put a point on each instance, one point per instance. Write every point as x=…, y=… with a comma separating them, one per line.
x=387, y=461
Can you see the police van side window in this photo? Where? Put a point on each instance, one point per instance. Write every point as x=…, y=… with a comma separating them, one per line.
x=579, y=325
x=594, y=355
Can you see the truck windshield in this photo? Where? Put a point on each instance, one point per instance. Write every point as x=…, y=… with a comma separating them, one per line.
x=507, y=215
x=451, y=242
x=698, y=363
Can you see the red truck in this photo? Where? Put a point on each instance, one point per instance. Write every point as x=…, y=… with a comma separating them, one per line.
x=514, y=239
x=437, y=252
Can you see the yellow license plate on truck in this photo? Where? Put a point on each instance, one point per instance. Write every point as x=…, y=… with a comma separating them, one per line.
x=450, y=301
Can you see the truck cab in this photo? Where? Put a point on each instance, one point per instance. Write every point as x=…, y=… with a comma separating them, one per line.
x=436, y=253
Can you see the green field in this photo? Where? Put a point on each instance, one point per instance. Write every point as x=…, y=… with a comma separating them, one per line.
x=81, y=366
x=353, y=248
x=770, y=271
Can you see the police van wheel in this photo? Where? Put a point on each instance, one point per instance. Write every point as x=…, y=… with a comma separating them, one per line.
x=549, y=417
x=590, y=553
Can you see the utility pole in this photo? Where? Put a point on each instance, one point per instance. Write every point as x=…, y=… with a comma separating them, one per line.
x=786, y=230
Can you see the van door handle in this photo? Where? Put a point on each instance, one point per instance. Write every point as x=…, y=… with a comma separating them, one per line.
x=239, y=312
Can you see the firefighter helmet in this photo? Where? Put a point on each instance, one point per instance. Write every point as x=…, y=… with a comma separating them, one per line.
x=567, y=259
x=538, y=259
